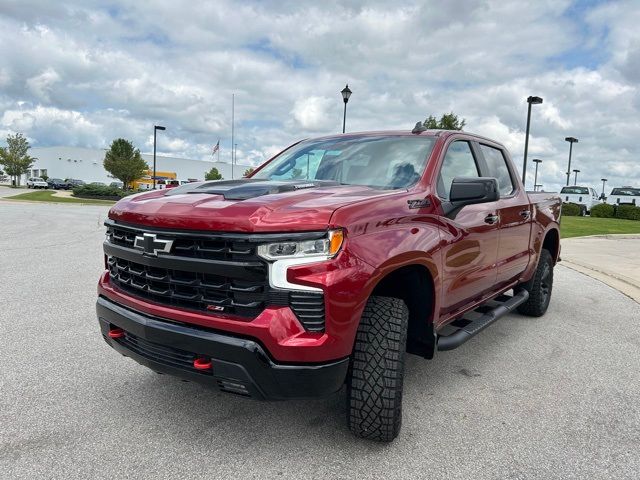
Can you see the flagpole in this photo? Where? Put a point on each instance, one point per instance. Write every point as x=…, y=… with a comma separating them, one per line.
x=233, y=106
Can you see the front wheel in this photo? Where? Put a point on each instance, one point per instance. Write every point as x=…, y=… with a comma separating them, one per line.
x=539, y=287
x=376, y=371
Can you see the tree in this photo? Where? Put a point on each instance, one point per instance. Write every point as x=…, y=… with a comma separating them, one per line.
x=15, y=156
x=124, y=161
x=248, y=172
x=213, y=174
x=448, y=121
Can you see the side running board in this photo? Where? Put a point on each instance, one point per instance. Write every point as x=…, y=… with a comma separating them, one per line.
x=489, y=313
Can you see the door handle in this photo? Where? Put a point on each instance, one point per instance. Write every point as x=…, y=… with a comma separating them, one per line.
x=491, y=219
x=525, y=213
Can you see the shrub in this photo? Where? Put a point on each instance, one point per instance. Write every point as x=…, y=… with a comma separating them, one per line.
x=630, y=212
x=603, y=210
x=99, y=191
x=571, y=209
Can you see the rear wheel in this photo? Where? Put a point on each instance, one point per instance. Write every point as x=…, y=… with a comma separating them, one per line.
x=539, y=287
x=376, y=371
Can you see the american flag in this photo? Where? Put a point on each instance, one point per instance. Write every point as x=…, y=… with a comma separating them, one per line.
x=216, y=148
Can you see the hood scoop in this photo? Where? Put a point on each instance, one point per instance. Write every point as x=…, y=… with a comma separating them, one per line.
x=247, y=188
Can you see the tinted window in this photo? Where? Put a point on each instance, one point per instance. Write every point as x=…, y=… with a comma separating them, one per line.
x=458, y=162
x=498, y=168
x=575, y=190
x=374, y=161
x=626, y=191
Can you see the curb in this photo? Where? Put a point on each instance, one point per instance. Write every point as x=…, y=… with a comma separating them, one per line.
x=40, y=202
x=612, y=236
x=620, y=283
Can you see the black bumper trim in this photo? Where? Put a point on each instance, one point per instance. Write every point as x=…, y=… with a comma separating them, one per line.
x=239, y=364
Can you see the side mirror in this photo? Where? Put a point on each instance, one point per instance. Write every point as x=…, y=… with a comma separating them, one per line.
x=469, y=191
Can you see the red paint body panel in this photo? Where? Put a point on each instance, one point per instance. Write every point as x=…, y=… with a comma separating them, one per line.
x=469, y=261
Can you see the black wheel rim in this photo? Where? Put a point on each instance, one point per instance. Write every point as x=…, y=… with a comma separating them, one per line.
x=545, y=283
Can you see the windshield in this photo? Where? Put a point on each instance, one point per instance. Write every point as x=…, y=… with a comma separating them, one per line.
x=635, y=192
x=575, y=190
x=378, y=162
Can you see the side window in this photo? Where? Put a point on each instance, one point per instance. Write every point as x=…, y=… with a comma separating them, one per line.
x=458, y=162
x=497, y=165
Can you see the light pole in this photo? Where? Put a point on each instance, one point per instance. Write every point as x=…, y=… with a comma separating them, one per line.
x=571, y=141
x=575, y=179
x=537, y=161
x=346, y=93
x=530, y=101
x=604, y=180
x=155, y=129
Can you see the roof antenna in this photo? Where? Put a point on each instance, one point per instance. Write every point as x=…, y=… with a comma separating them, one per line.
x=419, y=128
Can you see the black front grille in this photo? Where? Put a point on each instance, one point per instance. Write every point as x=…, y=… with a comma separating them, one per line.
x=192, y=290
x=163, y=354
x=192, y=245
x=219, y=274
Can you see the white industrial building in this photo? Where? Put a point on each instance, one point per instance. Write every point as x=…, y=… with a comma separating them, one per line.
x=87, y=164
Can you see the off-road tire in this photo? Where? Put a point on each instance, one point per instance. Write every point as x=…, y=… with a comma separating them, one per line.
x=539, y=287
x=376, y=370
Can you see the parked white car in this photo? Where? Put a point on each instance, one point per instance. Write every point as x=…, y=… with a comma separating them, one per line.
x=624, y=195
x=583, y=196
x=36, y=182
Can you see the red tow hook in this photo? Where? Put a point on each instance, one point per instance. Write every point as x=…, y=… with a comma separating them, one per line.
x=115, y=332
x=202, y=363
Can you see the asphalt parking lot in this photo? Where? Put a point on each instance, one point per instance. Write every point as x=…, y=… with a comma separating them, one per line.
x=555, y=397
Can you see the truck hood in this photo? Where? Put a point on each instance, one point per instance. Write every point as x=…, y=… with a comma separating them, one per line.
x=242, y=205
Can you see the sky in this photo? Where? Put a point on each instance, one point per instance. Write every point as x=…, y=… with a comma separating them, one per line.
x=81, y=73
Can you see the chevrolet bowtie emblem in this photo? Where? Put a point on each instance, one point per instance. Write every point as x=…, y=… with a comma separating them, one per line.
x=152, y=245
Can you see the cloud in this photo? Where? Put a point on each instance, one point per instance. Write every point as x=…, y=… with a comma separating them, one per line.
x=80, y=73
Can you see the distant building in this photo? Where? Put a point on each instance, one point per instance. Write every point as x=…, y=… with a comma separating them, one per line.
x=87, y=164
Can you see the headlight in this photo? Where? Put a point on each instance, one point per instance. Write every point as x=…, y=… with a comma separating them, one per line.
x=323, y=248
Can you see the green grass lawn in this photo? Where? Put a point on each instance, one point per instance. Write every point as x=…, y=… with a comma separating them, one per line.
x=582, y=226
x=47, y=196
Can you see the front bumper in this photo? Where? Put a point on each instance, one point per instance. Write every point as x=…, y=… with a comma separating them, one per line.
x=239, y=365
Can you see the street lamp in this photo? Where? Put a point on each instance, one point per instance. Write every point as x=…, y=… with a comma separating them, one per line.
x=155, y=129
x=604, y=180
x=571, y=141
x=537, y=161
x=575, y=180
x=530, y=101
x=346, y=93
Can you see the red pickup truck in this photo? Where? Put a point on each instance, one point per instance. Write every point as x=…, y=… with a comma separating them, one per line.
x=335, y=258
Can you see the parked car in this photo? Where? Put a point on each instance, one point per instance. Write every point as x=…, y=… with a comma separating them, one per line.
x=337, y=257
x=75, y=183
x=99, y=184
x=116, y=184
x=37, y=182
x=175, y=183
x=58, y=184
x=586, y=197
x=624, y=196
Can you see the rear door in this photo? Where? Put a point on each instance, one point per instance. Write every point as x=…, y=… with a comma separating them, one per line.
x=470, y=243
x=514, y=210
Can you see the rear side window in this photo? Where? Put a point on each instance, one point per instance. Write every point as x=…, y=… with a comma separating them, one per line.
x=458, y=162
x=498, y=168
